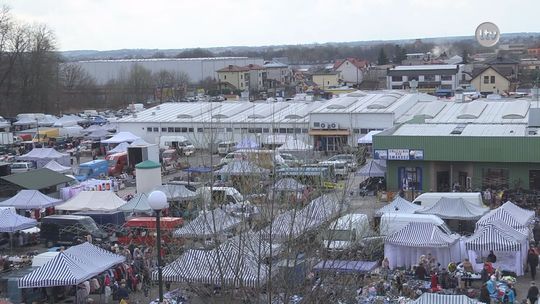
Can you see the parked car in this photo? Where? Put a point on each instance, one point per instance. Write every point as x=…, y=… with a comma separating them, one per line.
x=350, y=159
x=291, y=160
x=20, y=167
x=226, y=147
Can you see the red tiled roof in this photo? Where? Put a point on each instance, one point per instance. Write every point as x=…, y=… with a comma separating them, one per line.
x=233, y=68
x=356, y=62
x=254, y=67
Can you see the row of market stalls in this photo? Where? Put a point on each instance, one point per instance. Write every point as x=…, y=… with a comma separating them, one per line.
x=505, y=230
x=243, y=260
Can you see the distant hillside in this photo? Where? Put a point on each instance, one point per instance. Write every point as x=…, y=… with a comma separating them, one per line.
x=77, y=55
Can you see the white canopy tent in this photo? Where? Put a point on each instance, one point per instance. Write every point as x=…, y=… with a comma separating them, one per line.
x=373, y=168
x=509, y=244
x=177, y=192
x=398, y=205
x=121, y=147
x=11, y=222
x=120, y=138
x=455, y=209
x=510, y=214
x=56, y=167
x=368, y=138
x=405, y=246
x=41, y=156
x=93, y=201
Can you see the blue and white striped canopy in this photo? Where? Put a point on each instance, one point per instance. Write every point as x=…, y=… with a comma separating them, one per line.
x=497, y=236
x=208, y=223
x=101, y=258
x=421, y=235
x=71, y=267
x=11, y=222
x=233, y=263
x=431, y=298
x=508, y=215
x=63, y=270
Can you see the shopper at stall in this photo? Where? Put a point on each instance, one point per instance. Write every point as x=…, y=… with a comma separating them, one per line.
x=532, y=294
x=484, y=294
x=532, y=261
x=492, y=258
x=491, y=286
x=420, y=272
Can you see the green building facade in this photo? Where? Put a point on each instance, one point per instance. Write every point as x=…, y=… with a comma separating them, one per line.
x=437, y=163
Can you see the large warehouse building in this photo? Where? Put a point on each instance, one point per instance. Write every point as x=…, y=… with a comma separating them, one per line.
x=196, y=68
x=467, y=145
x=327, y=125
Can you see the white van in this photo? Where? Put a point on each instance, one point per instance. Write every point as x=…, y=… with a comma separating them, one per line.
x=392, y=222
x=429, y=199
x=346, y=231
x=225, y=147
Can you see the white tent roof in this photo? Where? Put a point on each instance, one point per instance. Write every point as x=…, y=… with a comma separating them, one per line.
x=242, y=167
x=399, y=205
x=455, y=208
x=11, y=222
x=93, y=201
x=295, y=145
x=511, y=216
x=66, y=121
x=98, y=134
x=30, y=199
x=122, y=147
x=139, y=142
x=368, y=138
x=373, y=168
x=177, y=192
x=121, y=137
x=53, y=165
x=41, y=153
x=525, y=215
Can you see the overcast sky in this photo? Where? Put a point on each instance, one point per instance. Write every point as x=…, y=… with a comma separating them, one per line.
x=163, y=24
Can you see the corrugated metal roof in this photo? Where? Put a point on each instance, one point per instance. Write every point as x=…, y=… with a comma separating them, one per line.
x=497, y=130
x=425, y=67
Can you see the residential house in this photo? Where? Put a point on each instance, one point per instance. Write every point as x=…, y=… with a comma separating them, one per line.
x=278, y=72
x=257, y=77
x=430, y=77
x=534, y=52
x=491, y=79
x=233, y=77
x=351, y=71
x=509, y=67
x=326, y=79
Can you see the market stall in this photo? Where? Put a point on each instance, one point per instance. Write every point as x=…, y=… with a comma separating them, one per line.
x=209, y=224
x=30, y=199
x=509, y=245
x=398, y=205
x=404, y=247
x=41, y=156
x=93, y=201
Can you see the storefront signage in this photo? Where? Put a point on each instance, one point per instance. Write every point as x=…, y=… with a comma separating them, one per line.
x=399, y=154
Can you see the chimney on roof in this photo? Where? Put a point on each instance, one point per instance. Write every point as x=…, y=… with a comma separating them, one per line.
x=230, y=66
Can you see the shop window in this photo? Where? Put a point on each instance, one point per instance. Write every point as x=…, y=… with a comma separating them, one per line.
x=495, y=178
x=163, y=129
x=149, y=129
x=156, y=129
x=190, y=130
x=177, y=130
x=170, y=130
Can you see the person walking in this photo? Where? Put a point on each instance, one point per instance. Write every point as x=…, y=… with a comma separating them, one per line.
x=532, y=261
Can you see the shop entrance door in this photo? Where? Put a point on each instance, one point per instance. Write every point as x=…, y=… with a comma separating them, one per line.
x=443, y=181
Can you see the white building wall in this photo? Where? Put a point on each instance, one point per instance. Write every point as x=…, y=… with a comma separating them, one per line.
x=196, y=68
x=350, y=73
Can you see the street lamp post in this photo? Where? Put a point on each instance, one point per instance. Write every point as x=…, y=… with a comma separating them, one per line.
x=158, y=201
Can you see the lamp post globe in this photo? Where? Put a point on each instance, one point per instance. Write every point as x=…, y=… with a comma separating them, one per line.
x=158, y=201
